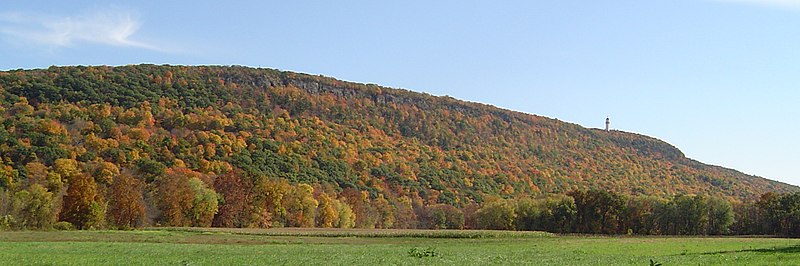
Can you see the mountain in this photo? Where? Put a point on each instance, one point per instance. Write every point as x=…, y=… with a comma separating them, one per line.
x=327, y=133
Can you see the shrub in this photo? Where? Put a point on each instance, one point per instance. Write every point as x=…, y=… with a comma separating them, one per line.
x=6, y=222
x=419, y=253
x=63, y=226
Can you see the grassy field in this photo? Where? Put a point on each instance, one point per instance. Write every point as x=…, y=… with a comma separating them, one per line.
x=180, y=246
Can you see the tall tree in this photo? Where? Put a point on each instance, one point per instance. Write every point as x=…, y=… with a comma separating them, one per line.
x=347, y=218
x=300, y=206
x=235, y=209
x=126, y=202
x=497, y=215
x=175, y=197
x=82, y=205
x=33, y=207
x=598, y=211
x=327, y=215
x=720, y=216
x=204, y=205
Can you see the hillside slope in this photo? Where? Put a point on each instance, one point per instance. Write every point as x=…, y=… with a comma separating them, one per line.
x=317, y=130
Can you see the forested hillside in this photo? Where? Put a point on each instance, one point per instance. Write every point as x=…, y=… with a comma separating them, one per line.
x=237, y=146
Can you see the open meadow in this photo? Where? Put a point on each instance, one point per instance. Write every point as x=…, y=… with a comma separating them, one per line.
x=323, y=246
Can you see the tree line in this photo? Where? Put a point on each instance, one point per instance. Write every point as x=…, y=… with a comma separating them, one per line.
x=182, y=197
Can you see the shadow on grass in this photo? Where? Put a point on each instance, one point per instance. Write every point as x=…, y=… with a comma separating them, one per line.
x=774, y=250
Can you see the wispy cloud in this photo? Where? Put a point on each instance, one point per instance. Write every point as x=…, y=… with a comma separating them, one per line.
x=110, y=27
x=784, y=4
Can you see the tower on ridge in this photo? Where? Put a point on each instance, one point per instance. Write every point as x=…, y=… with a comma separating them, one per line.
x=608, y=124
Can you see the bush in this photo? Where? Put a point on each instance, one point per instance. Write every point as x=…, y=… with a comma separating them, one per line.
x=6, y=221
x=419, y=253
x=63, y=226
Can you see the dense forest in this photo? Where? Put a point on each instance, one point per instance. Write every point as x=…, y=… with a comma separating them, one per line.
x=94, y=147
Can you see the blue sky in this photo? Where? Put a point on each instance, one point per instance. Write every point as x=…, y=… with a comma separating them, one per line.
x=718, y=79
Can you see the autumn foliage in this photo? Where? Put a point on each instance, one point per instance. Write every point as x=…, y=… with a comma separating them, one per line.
x=149, y=145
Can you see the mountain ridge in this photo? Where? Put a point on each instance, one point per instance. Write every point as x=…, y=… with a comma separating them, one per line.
x=397, y=141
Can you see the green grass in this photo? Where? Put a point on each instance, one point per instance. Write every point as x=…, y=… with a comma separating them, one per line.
x=178, y=246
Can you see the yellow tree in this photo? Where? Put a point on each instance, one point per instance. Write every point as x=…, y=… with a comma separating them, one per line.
x=81, y=205
x=386, y=212
x=67, y=168
x=104, y=172
x=185, y=199
x=8, y=176
x=300, y=206
x=347, y=218
x=327, y=215
x=268, y=201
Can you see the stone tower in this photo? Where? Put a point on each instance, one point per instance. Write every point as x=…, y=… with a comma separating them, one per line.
x=608, y=124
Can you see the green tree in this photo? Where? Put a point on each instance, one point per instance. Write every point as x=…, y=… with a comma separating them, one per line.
x=553, y=213
x=497, y=215
x=442, y=216
x=204, y=205
x=641, y=214
x=530, y=214
x=561, y=212
x=598, y=211
x=771, y=211
x=33, y=207
x=789, y=214
x=720, y=216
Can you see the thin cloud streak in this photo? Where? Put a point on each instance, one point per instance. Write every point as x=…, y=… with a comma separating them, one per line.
x=112, y=27
x=783, y=4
